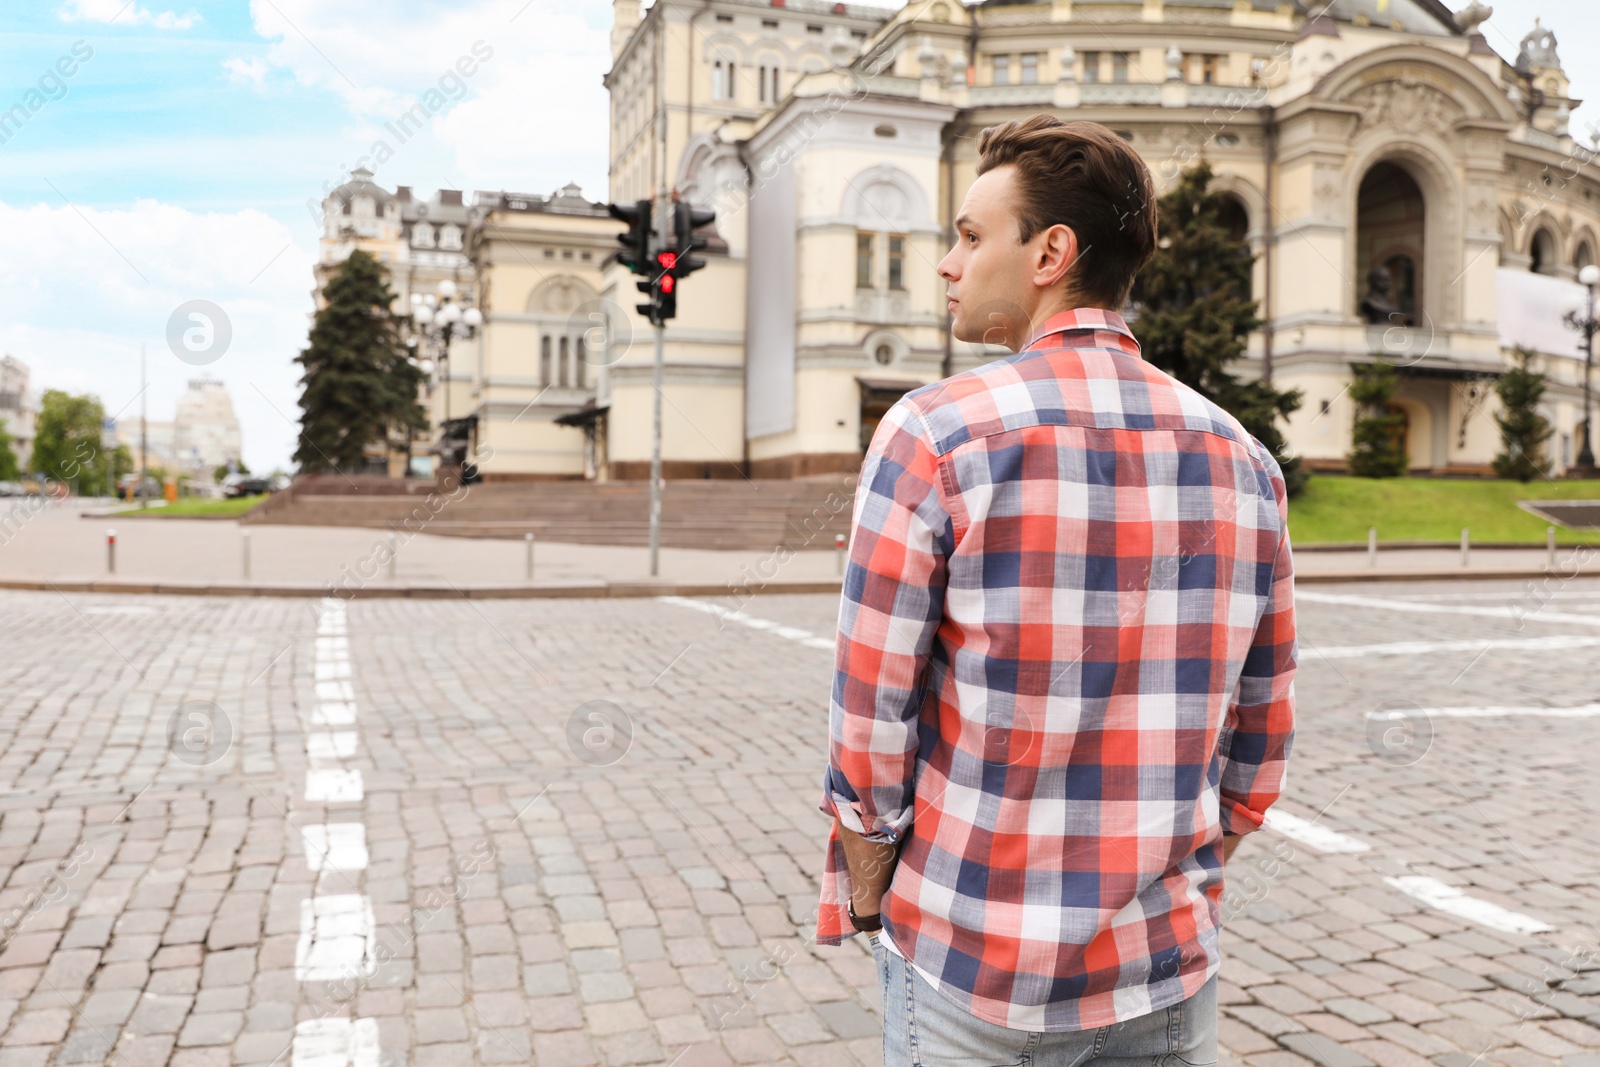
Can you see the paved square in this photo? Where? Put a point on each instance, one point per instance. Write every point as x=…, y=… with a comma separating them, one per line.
x=572, y=832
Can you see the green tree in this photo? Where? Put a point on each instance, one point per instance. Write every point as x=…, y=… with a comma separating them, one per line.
x=10, y=471
x=1523, y=430
x=360, y=388
x=1195, y=317
x=66, y=441
x=1375, y=437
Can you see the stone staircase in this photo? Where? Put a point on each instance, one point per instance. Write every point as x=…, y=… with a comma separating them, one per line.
x=721, y=514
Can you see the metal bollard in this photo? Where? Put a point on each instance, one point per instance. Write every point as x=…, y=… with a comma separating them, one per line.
x=392, y=550
x=838, y=553
x=528, y=537
x=1466, y=545
x=111, y=551
x=244, y=553
x=1372, y=546
x=1550, y=546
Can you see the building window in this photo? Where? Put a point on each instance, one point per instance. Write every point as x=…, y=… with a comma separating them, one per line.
x=897, y=261
x=450, y=237
x=561, y=363
x=1030, y=68
x=769, y=83
x=549, y=253
x=813, y=29
x=1091, y=67
x=566, y=253
x=1002, y=70
x=769, y=24
x=586, y=256
x=1119, y=66
x=864, y=270
x=422, y=235
x=724, y=18
x=1203, y=69
x=884, y=355
x=577, y=364
x=544, y=362
x=722, y=75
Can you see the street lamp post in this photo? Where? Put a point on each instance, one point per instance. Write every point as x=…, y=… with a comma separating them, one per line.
x=1584, y=321
x=438, y=319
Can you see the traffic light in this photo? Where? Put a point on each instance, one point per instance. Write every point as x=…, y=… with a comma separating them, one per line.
x=685, y=220
x=635, y=254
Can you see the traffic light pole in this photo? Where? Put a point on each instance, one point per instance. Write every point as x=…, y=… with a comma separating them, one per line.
x=663, y=213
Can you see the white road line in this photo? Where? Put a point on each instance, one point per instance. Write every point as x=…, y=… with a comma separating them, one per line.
x=338, y=744
x=1554, y=594
x=334, y=647
x=1309, y=833
x=1554, y=642
x=333, y=713
x=1575, y=711
x=804, y=637
x=335, y=691
x=1532, y=612
x=337, y=935
x=335, y=846
x=329, y=670
x=1448, y=898
x=335, y=1042
x=334, y=786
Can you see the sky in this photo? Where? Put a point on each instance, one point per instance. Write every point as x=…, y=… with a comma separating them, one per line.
x=178, y=152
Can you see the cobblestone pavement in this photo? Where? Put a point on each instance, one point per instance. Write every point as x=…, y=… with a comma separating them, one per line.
x=585, y=832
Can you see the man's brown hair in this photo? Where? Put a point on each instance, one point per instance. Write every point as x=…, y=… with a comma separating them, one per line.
x=1082, y=176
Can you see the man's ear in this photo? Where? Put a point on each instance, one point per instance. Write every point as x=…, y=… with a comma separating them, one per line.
x=1056, y=255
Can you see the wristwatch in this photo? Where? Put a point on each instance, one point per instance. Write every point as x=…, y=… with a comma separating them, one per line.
x=865, y=924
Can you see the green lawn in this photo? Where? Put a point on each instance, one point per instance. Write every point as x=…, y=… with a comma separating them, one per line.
x=196, y=508
x=1337, y=509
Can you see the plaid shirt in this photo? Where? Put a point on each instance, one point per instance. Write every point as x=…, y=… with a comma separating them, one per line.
x=1063, y=670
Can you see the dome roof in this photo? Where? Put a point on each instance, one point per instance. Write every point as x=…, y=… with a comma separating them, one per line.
x=361, y=184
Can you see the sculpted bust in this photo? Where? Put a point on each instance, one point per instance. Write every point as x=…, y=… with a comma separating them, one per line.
x=1378, y=305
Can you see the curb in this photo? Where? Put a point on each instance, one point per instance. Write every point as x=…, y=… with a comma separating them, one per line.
x=642, y=588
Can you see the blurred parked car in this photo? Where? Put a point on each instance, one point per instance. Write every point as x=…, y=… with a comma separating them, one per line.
x=12, y=489
x=245, y=485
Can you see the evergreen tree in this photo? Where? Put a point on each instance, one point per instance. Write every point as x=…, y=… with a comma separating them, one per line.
x=359, y=386
x=1375, y=437
x=1523, y=430
x=1194, y=316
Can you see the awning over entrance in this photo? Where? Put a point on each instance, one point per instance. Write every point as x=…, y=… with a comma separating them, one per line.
x=583, y=417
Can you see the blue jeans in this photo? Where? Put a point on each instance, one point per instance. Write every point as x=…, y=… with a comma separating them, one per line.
x=923, y=1029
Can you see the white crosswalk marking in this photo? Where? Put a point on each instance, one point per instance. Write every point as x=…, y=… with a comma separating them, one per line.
x=1448, y=898
x=1310, y=833
x=334, y=786
x=337, y=744
x=803, y=637
x=338, y=846
x=336, y=938
x=335, y=1042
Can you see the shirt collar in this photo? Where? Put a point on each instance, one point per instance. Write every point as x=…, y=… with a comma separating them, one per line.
x=1080, y=319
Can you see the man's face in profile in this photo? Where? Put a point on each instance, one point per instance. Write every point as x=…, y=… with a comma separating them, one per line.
x=989, y=272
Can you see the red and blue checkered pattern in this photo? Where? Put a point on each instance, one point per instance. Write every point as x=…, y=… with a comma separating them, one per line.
x=1064, y=668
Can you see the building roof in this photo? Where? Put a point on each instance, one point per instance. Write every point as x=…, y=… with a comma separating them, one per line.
x=360, y=184
x=568, y=200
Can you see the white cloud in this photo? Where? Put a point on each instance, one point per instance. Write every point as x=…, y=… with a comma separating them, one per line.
x=246, y=71
x=126, y=13
x=81, y=288
x=531, y=114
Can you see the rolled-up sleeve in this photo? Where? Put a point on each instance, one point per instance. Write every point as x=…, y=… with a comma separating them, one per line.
x=1259, y=730
x=889, y=613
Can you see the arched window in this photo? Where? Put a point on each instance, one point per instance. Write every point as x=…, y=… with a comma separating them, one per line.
x=422, y=235
x=1391, y=224
x=723, y=72
x=450, y=237
x=1543, y=252
x=768, y=75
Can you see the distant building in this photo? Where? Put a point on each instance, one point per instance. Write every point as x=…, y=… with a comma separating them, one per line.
x=421, y=243
x=202, y=436
x=18, y=408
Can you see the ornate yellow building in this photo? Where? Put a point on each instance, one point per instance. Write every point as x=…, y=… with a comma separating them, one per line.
x=1409, y=193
